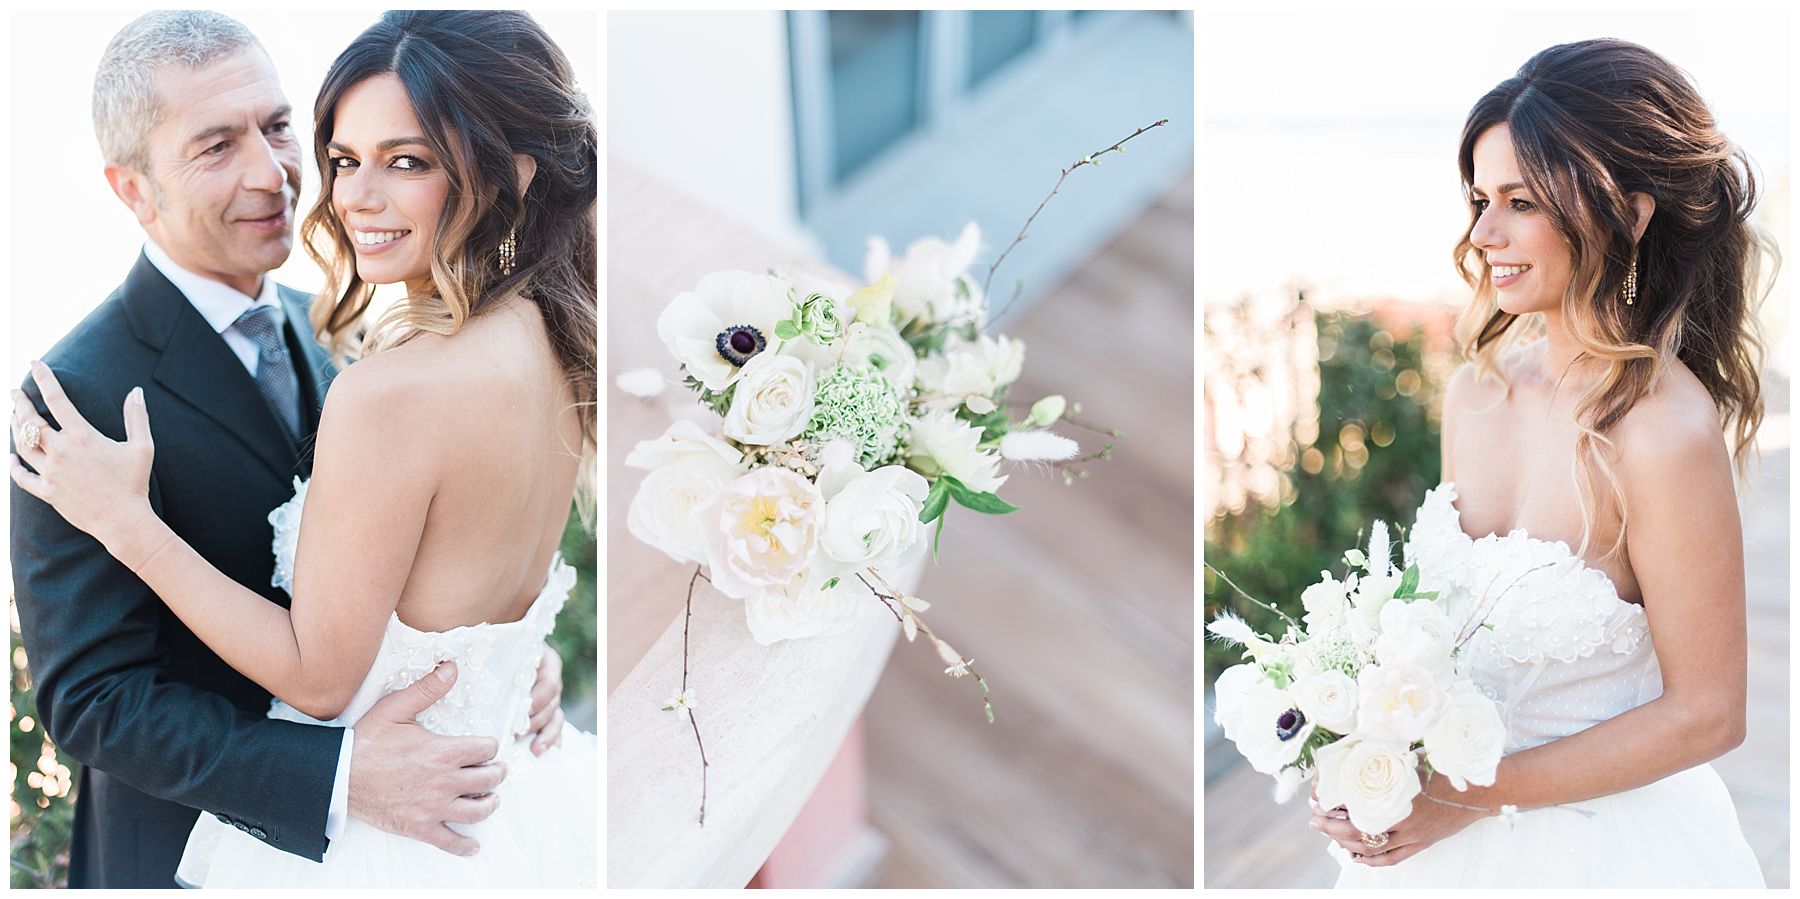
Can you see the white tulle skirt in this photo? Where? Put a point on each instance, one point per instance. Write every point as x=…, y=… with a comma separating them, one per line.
x=1681, y=831
x=544, y=833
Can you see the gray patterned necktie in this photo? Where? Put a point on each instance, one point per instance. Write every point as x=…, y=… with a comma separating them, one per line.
x=274, y=368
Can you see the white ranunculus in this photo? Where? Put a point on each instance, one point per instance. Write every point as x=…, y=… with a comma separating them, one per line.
x=1329, y=700
x=1271, y=729
x=966, y=369
x=761, y=530
x=772, y=402
x=691, y=325
x=874, y=519
x=804, y=608
x=1325, y=603
x=1375, y=780
x=1373, y=591
x=940, y=443
x=1397, y=701
x=688, y=467
x=1419, y=632
x=931, y=280
x=883, y=349
x=1467, y=739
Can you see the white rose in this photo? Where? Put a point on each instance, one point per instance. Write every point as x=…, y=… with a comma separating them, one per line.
x=772, y=402
x=966, y=369
x=804, y=608
x=1271, y=729
x=940, y=443
x=1375, y=780
x=693, y=323
x=761, y=530
x=1466, y=740
x=688, y=467
x=1397, y=701
x=1325, y=603
x=874, y=519
x=1329, y=700
x=1419, y=632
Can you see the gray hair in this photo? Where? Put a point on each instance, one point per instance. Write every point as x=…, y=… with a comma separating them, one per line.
x=126, y=105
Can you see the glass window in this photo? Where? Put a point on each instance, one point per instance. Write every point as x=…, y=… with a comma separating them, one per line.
x=995, y=38
x=874, y=83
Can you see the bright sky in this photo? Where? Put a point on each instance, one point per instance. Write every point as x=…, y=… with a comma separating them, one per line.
x=1328, y=139
x=73, y=241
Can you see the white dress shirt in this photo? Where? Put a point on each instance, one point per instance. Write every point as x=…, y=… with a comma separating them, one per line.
x=221, y=306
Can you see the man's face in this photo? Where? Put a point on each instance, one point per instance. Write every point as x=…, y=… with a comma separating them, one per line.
x=224, y=170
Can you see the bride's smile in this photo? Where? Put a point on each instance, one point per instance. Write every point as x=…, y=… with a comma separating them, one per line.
x=387, y=185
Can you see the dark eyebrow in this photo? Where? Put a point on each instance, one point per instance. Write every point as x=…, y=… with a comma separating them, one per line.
x=384, y=146
x=1506, y=188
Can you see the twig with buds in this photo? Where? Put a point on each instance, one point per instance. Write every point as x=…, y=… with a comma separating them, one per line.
x=911, y=624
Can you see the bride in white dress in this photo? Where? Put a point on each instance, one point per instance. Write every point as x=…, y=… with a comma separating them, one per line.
x=458, y=159
x=1606, y=203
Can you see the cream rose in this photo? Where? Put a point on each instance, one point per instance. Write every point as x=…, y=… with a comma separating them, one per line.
x=1465, y=742
x=1375, y=780
x=1329, y=700
x=772, y=402
x=688, y=467
x=1397, y=701
x=761, y=530
x=874, y=519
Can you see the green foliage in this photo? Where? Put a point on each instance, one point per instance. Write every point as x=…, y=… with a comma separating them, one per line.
x=719, y=403
x=43, y=816
x=1274, y=554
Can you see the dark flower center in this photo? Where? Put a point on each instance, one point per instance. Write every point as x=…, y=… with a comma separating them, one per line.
x=738, y=343
x=1289, y=724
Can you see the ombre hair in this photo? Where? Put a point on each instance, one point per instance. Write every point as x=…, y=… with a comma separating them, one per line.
x=485, y=85
x=1593, y=122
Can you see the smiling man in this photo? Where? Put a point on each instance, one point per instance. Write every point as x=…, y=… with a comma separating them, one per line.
x=199, y=145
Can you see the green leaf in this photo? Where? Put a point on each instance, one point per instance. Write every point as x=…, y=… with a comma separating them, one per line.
x=935, y=500
x=786, y=329
x=1409, y=582
x=935, y=536
x=830, y=584
x=986, y=503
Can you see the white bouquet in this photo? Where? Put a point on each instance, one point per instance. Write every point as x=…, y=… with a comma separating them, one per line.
x=1361, y=695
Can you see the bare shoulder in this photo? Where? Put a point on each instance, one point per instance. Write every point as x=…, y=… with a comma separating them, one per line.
x=1470, y=391
x=1674, y=428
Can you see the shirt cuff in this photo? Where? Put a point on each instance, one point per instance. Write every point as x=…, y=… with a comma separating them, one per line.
x=339, y=813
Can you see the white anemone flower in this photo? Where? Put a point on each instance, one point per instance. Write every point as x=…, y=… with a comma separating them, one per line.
x=727, y=319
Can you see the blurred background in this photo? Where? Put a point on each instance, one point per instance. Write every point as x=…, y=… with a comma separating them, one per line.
x=817, y=130
x=54, y=282
x=1332, y=204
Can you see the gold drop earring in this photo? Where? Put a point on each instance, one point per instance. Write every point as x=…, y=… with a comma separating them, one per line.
x=509, y=251
x=1629, y=291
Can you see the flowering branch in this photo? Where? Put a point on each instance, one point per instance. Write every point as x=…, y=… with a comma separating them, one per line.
x=1090, y=159
x=683, y=702
x=909, y=606
x=1240, y=591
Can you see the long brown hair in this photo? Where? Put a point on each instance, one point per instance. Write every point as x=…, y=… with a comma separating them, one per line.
x=1593, y=122
x=485, y=85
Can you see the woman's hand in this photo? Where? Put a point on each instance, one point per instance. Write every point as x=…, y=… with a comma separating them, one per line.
x=1433, y=818
x=97, y=484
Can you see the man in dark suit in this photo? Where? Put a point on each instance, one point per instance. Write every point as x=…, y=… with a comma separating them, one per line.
x=196, y=134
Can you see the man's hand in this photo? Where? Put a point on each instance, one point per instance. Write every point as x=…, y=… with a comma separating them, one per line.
x=546, y=704
x=409, y=781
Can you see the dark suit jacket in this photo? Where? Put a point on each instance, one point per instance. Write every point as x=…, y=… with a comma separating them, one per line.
x=161, y=725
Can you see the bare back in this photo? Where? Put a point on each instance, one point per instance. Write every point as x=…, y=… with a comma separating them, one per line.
x=506, y=454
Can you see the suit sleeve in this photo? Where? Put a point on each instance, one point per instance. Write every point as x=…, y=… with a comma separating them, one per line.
x=90, y=630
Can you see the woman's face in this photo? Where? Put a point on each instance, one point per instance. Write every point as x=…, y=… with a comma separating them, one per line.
x=388, y=187
x=1530, y=262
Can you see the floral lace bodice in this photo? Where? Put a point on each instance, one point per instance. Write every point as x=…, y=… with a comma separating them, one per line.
x=1560, y=651
x=496, y=663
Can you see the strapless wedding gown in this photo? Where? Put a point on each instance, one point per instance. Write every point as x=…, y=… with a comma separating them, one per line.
x=1564, y=653
x=544, y=831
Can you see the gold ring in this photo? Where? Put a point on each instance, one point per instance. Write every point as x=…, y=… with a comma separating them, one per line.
x=29, y=435
x=1375, y=842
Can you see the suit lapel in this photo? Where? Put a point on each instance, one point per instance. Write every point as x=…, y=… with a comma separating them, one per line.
x=198, y=367
x=313, y=365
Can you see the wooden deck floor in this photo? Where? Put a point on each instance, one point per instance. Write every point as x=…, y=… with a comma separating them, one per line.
x=1079, y=611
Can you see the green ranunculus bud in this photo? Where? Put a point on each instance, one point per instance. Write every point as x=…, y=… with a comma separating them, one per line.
x=1046, y=411
x=819, y=319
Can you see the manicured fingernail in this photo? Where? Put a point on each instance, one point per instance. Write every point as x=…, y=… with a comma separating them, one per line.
x=445, y=672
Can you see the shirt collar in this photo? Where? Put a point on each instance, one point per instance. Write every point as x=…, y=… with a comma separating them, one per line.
x=220, y=305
